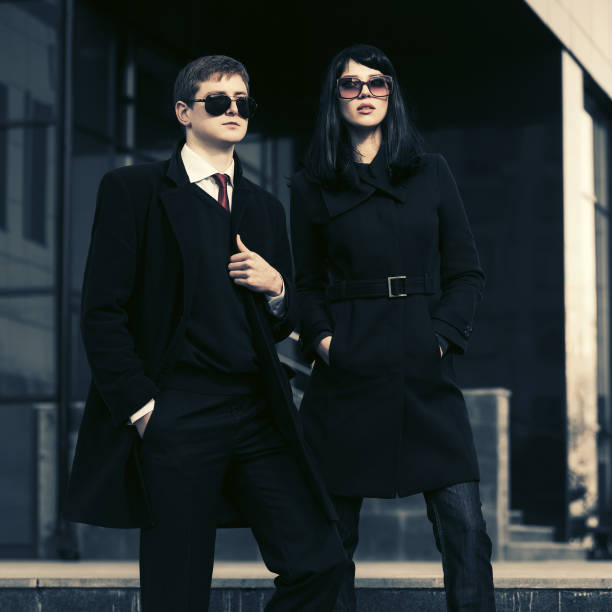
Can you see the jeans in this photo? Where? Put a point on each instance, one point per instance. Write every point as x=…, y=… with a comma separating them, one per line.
x=461, y=537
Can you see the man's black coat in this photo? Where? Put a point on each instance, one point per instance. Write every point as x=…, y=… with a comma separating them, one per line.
x=139, y=282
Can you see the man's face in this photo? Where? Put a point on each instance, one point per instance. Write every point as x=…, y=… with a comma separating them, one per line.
x=223, y=130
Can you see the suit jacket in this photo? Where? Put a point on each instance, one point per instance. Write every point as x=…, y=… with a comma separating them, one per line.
x=138, y=286
x=386, y=416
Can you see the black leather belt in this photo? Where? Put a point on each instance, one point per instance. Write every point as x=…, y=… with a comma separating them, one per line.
x=391, y=287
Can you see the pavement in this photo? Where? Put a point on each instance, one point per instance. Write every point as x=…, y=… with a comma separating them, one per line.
x=407, y=575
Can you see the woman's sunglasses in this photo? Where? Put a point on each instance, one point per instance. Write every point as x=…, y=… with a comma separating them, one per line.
x=217, y=104
x=380, y=86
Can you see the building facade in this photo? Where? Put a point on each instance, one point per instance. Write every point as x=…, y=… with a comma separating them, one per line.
x=516, y=96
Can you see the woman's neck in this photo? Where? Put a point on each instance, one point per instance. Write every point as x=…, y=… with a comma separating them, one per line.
x=366, y=144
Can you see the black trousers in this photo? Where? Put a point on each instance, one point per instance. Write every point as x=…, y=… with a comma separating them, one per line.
x=461, y=537
x=193, y=447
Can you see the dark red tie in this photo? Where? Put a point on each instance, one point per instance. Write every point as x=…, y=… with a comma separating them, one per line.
x=222, y=182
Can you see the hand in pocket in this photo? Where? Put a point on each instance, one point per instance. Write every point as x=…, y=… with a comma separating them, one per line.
x=142, y=422
x=323, y=349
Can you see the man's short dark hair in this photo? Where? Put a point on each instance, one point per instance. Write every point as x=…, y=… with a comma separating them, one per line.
x=202, y=69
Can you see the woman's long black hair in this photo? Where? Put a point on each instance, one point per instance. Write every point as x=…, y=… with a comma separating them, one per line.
x=330, y=156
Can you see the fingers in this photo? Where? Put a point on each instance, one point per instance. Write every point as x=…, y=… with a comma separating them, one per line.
x=241, y=246
x=241, y=269
x=239, y=274
x=242, y=256
x=250, y=270
x=248, y=278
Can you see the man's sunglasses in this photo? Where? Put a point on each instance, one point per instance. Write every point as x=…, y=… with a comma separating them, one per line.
x=380, y=86
x=217, y=104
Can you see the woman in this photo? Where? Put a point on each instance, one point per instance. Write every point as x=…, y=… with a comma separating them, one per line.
x=388, y=281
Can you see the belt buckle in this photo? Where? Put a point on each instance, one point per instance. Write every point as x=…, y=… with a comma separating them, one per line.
x=390, y=291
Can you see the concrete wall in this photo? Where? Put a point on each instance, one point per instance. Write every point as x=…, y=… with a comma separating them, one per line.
x=585, y=28
x=502, y=138
x=369, y=599
x=580, y=264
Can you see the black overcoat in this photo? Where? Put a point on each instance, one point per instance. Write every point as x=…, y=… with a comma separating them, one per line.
x=138, y=286
x=386, y=417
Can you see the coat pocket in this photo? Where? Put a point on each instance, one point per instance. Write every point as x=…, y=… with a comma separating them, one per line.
x=339, y=320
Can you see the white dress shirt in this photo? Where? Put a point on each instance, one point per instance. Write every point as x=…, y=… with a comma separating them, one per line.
x=200, y=172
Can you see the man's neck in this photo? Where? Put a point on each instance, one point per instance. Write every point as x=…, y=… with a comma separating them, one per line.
x=217, y=156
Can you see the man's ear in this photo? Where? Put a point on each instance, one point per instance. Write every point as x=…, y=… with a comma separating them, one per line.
x=183, y=113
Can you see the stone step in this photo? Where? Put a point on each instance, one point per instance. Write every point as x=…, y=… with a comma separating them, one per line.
x=561, y=586
x=544, y=551
x=530, y=533
x=254, y=599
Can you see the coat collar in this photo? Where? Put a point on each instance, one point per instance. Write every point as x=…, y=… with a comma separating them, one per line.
x=199, y=169
x=377, y=175
x=177, y=174
x=339, y=200
x=363, y=181
x=177, y=177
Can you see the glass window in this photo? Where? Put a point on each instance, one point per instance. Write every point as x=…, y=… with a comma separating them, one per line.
x=157, y=129
x=27, y=356
x=29, y=85
x=79, y=371
x=28, y=91
x=36, y=170
x=94, y=75
x=3, y=152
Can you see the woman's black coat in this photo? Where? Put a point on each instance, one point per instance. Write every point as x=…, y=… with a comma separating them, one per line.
x=386, y=417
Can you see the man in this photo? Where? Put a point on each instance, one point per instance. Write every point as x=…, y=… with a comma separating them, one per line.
x=188, y=285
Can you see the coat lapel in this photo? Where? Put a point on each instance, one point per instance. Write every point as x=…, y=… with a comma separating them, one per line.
x=363, y=184
x=342, y=198
x=377, y=175
x=338, y=202
x=241, y=200
x=178, y=200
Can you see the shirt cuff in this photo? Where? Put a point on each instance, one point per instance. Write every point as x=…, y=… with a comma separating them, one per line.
x=276, y=303
x=148, y=407
x=443, y=342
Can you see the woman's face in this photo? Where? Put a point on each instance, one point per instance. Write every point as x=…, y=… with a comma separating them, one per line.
x=365, y=111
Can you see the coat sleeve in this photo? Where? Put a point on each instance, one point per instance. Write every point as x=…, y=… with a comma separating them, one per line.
x=310, y=251
x=462, y=279
x=108, y=286
x=283, y=263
